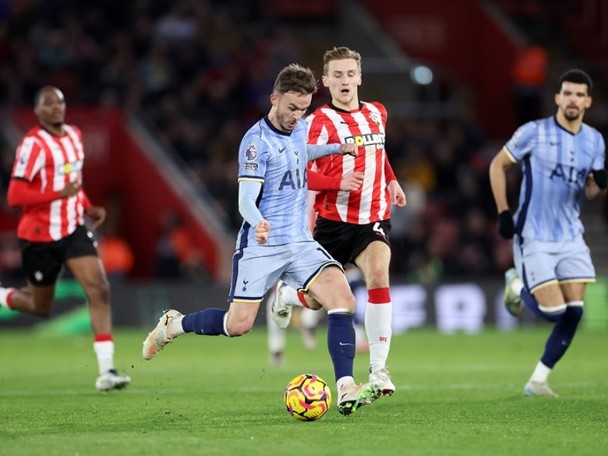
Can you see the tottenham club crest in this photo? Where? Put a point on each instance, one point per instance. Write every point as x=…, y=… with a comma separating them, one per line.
x=251, y=153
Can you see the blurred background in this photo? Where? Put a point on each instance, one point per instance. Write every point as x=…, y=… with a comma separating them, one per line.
x=164, y=90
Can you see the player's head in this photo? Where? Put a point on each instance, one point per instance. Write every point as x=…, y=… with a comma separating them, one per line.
x=342, y=76
x=49, y=106
x=291, y=96
x=573, y=94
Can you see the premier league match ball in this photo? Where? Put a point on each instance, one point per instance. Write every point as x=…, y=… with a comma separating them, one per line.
x=307, y=397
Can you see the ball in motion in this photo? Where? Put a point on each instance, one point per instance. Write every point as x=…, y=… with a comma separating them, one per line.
x=307, y=397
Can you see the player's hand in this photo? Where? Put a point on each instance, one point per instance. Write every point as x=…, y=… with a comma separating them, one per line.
x=600, y=176
x=349, y=149
x=505, y=225
x=351, y=181
x=71, y=189
x=396, y=194
x=262, y=231
x=97, y=215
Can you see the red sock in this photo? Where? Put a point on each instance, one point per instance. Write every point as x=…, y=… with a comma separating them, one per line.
x=103, y=338
x=9, y=299
x=379, y=296
x=302, y=299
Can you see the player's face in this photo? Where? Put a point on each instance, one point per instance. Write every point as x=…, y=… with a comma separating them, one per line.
x=50, y=108
x=288, y=108
x=342, y=79
x=572, y=100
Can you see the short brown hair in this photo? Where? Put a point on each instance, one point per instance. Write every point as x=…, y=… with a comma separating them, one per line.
x=295, y=78
x=340, y=53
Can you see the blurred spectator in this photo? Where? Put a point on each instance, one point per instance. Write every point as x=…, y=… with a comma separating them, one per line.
x=175, y=254
x=529, y=74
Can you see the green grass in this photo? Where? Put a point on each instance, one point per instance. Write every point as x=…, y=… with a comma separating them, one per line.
x=457, y=395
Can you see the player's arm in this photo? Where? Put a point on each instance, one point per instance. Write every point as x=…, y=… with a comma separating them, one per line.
x=596, y=183
x=321, y=150
x=348, y=183
x=23, y=193
x=249, y=190
x=97, y=214
x=498, y=182
x=395, y=191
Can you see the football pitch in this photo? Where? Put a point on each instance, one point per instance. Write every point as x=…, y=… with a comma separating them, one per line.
x=456, y=395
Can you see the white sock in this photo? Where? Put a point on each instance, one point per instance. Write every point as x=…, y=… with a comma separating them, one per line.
x=541, y=373
x=290, y=296
x=343, y=381
x=378, y=318
x=176, y=327
x=4, y=292
x=276, y=336
x=105, y=355
x=309, y=319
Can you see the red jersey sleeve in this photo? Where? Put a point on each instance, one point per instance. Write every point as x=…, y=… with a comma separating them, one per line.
x=319, y=182
x=388, y=170
x=22, y=193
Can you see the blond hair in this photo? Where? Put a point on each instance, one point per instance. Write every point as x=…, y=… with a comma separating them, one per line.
x=340, y=53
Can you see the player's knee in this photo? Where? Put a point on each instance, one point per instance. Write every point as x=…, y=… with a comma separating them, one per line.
x=39, y=307
x=377, y=279
x=346, y=301
x=313, y=304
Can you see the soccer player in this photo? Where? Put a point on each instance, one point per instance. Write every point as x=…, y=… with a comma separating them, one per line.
x=274, y=241
x=309, y=319
x=561, y=158
x=354, y=226
x=46, y=182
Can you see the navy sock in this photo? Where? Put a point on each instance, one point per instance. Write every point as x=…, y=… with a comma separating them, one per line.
x=341, y=343
x=209, y=322
x=562, y=335
x=532, y=305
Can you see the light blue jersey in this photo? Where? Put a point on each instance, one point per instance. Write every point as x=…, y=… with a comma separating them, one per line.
x=278, y=160
x=555, y=165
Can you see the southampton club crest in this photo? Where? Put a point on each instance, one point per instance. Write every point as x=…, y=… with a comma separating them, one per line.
x=375, y=117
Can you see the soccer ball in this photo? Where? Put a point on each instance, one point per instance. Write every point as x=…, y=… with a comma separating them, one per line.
x=307, y=397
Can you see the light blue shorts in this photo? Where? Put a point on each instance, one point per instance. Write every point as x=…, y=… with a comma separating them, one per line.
x=255, y=269
x=539, y=262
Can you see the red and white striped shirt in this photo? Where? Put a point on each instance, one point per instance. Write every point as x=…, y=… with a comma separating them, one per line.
x=365, y=127
x=47, y=163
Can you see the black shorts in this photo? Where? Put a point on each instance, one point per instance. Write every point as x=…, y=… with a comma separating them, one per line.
x=42, y=261
x=345, y=241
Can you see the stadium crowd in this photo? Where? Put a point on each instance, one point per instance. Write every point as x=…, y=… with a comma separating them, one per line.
x=200, y=72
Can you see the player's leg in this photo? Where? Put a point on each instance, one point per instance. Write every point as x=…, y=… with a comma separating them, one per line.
x=331, y=289
x=89, y=273
x=285, y=299
x=42, y=265
x=276, y=336
x=374, y=264
x=260, y=269
x=309, y=322
x=33, y=300
x=561, y=336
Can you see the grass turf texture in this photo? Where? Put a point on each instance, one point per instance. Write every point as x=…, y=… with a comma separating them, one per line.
x=456, y=395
